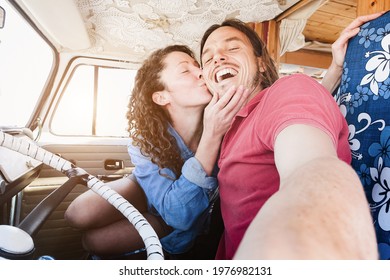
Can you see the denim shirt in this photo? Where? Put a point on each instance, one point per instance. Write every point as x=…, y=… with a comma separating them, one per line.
x=182, y=203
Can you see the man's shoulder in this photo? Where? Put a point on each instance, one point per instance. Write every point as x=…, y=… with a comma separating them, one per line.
x=296, y=83
x=295, y=78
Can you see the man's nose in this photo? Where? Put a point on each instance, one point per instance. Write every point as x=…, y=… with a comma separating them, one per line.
x=219, y=57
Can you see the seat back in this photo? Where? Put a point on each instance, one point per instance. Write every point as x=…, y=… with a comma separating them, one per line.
x=364, y=99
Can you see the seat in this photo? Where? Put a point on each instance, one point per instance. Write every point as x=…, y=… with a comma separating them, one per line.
x=364, y=99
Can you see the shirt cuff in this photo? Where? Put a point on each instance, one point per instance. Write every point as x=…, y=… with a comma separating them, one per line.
x=193, y=171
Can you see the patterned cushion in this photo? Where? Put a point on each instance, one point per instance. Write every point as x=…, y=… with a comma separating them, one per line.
x=364, y=99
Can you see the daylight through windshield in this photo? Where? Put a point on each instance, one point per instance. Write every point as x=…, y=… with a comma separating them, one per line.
x=26, y=60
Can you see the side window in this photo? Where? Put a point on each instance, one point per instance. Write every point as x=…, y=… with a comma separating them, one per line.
x=94, y=103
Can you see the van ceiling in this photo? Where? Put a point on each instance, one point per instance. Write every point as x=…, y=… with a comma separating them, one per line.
x=131, y=29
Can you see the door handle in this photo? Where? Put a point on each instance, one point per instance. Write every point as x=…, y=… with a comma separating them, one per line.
x=113, y=164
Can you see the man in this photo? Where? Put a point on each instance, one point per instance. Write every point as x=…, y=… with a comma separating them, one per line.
x=284, y=163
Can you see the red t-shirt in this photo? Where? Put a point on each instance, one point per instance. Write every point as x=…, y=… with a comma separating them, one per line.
x=248, y=175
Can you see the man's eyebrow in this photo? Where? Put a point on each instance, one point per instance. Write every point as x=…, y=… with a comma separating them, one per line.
x=227, y=40
x=234, y=38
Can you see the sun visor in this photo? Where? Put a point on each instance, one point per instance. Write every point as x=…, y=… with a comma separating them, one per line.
x=61, y=21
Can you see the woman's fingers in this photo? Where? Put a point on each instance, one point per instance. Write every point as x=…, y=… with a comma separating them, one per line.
x=224, y=108
x=236, y=102
x=225, y=98
x=231, y=97
x=213, y=100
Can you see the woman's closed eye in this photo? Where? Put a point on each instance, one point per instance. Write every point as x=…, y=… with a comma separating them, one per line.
x=206, y=60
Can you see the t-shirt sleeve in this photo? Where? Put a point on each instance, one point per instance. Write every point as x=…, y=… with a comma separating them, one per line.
x=298, y=99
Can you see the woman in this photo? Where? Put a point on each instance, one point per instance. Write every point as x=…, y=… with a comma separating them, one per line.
x=174, y=156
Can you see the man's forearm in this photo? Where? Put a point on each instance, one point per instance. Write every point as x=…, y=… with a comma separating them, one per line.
x=320, y=212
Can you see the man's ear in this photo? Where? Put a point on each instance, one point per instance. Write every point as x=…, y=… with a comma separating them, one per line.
x=160, y=98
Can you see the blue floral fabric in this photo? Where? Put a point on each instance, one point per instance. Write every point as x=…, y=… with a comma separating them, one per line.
x=364, y=99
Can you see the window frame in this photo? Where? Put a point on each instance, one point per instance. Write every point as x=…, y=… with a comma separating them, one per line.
x=67, y=77
x=31, y=120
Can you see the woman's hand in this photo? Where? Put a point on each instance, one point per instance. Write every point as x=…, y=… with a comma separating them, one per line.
x=219, y=113
x=218, y=116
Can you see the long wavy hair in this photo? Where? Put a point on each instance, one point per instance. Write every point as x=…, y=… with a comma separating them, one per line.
x=270, y=75
x=147, y=121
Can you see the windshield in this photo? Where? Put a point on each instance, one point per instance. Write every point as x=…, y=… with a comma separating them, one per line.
x=26, y=61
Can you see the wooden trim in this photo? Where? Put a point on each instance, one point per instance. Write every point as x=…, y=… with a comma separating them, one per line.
x=292, y=9
x=268, y=31
x=365, y=7
x=273, y=42
x=308, y=58
x=261, y=28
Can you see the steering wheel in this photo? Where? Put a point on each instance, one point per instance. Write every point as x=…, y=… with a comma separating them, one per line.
x=77, y=175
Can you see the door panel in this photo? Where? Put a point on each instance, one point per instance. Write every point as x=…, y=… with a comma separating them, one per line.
x=91, y=158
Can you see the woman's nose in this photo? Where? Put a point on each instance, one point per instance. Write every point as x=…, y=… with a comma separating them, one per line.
x=199, y=73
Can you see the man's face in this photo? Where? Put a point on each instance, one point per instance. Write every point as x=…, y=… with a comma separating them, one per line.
x=228, y=59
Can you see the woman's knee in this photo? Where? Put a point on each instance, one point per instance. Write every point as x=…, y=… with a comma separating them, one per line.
x=73, y=217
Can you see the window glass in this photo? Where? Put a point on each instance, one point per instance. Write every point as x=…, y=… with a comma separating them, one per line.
x=74, y=113
x=94, y=103
x=25, y=64
x=115, y=87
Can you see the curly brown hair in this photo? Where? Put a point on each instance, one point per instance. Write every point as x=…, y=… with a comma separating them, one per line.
x=148, y=122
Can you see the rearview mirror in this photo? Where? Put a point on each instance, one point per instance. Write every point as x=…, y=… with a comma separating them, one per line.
x=2, y=17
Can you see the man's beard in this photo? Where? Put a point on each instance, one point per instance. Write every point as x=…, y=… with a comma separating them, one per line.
x=256, y=81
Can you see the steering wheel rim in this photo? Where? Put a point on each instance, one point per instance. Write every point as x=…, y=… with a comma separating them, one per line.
x=152, y=242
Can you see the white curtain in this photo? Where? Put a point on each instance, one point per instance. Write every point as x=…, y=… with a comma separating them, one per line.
x=291, y=27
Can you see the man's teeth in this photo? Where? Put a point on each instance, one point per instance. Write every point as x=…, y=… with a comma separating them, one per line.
x=225, y=73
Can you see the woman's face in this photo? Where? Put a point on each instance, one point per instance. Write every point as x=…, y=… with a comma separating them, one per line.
x=183, y=81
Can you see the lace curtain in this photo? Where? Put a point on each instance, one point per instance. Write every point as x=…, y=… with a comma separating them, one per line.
x=291, y=28
x=140, y=26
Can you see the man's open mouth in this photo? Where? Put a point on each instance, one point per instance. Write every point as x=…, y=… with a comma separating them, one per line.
x=225, y=74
